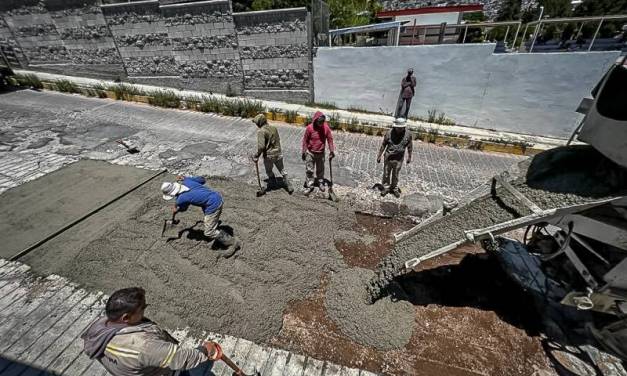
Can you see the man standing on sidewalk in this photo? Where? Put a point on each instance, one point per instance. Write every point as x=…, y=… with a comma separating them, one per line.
x=395, y=141
x=126, y=343
x=408, y=90
x=317, y=135
x=269, y=145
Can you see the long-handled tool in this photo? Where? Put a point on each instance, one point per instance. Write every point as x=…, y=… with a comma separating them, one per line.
x=129, y=148
x=332, y=195
x=237, y=371
x=261, y=191
x=168, y=226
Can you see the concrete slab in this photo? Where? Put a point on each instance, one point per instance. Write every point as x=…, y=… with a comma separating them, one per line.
x=37, y=209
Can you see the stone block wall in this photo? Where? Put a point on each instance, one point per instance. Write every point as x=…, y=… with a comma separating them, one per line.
x=141, y=36
x=194, y=44
x=276, y=53
x=205, y=45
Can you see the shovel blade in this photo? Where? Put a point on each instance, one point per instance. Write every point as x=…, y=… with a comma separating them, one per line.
x=169, y=229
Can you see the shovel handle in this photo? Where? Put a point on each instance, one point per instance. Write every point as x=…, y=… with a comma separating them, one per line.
x=232, y=365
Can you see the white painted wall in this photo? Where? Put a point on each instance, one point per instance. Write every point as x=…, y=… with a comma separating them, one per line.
x=525, y=93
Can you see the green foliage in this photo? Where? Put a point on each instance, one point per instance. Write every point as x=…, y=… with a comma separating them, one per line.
x=66, y=86
x=290, y=116
x=271, y=4
x=352, y=13
x=334, y=121
x=437, y=117
x=164, y=98
x=307, y=120
x=474, y=17
x=28, y=80
x=325, y=105
x=601, y=7
x=238, y=107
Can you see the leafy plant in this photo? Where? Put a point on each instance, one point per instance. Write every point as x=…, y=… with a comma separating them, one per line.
x=307, y=120
x=29, y=80
x=66, y=86
x=291, y=116
x=164, y=98
x=325, y=105
x=334, y=121
x=238, y=107
x=432, y=134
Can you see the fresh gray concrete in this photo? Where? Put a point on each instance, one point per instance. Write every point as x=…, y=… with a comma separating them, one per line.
x=208, y=144
x=523, y=93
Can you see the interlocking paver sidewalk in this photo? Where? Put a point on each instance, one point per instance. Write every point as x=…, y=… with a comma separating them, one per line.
x=41, y=131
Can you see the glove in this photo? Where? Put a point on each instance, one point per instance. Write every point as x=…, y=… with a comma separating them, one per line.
x=213, y=349
x=303, y=156
x=331, y=155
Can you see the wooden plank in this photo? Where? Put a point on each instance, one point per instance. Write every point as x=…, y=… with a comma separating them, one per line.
x=23, y=325
x=9, y=289
x=228, y=344
x=14, y=274
x=313, y=367
x=28, y=301
x=332, y=370
x=295, y=365
x=44, y=331
x=31, y=353
x=238, y=355
x=277, y=363
x=65, y=349
x=257, y=359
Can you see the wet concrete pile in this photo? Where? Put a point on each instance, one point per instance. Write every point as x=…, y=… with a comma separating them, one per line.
x=557, y=178
x=288, y=246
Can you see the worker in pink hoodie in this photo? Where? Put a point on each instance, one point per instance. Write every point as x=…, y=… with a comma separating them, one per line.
x=317, y=135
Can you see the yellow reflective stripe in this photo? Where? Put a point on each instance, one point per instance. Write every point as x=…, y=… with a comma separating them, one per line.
x=122, y=355
x=168, y=358
x=122, y=349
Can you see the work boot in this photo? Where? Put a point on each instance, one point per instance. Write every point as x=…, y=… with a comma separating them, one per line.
x=384, y=191
x=288, y=185
x=227, y=244
x=321, y=185
x=396, y=192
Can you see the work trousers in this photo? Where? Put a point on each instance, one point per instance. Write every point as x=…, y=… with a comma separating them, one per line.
x=270, y=161
x=211, y=223
x=314, y=162
x=407, y=102
x=391, y=170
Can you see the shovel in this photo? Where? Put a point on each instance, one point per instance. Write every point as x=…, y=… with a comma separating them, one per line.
x=332, y=195
x=236, y=370
x=129, y=148
x=261, y=191
x=170, y=228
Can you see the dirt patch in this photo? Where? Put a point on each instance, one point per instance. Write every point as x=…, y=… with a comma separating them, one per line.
x=375, y=240
x=500, y=206
x=475, y=322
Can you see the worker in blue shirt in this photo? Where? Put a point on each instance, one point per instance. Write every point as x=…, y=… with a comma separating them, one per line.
x=191, y=190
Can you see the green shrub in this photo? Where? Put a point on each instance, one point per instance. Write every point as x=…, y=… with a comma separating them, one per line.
x=29, y=80
x=124, y=91
x=290, y=116
x=66, y=86
x=334, y=121
x=238, y=107
x=164, y=98
x=325, y=105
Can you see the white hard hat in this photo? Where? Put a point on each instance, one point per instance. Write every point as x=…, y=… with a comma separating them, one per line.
x=170, y=190
x=399, y=123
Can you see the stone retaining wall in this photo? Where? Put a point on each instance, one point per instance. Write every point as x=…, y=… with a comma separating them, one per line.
x=276, y=53
x=191, y=44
